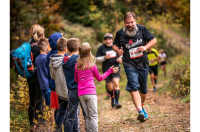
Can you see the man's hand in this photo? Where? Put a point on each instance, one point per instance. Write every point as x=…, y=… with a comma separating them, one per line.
x=107, y=56
x=142, y=48
x=115, y=69
x=120, y=52
x=119, y=60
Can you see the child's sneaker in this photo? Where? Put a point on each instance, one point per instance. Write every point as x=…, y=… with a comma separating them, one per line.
x=140, y=116
x=145, y=114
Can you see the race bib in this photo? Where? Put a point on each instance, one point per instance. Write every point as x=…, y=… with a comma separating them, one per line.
x=162, y=59
x=151, y=61
x=112, y=53
x=134, y=53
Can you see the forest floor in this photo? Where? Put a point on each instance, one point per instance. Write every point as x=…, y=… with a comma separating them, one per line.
x=165, y=112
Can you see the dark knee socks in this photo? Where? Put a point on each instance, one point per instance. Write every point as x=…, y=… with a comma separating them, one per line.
x=112, y=94
x=117, y=93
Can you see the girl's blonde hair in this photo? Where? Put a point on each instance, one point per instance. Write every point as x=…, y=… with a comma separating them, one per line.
x=36, y=31
x=86, y=59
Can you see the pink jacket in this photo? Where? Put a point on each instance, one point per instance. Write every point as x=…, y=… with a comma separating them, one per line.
x=85, y=79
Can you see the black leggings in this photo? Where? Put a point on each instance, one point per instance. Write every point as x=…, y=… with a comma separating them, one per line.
x=36, y=100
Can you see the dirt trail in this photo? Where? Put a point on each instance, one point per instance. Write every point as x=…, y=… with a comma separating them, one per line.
x=165, y=114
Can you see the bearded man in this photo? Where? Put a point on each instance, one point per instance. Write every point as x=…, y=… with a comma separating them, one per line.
x=132, y=41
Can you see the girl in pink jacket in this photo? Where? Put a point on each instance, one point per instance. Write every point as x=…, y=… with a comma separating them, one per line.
x=85, y=71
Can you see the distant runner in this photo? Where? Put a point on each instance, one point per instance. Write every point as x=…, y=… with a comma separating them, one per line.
x=109, y=57
x=163, y=63
x=153, y=57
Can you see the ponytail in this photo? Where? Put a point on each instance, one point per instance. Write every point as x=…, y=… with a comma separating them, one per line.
x=36, y=32
x=35, y=37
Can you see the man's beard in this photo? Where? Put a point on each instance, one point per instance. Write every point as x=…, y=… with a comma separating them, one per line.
x=130, y=33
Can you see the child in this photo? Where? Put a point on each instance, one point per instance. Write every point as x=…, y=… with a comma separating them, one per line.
x=56, y=72
x=85, y=71
x=69, y=61
x=42, y=71
x=53, y=38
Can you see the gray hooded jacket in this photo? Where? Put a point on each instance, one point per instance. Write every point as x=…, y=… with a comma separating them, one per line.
x=56, y=73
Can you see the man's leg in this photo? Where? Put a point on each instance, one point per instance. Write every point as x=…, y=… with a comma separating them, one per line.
x=117, y=92
x=164, y=67
x=152, y=79
x=151, y=72
x=111, y=90
x=108, y=93
x=155, y=71
x=136, y=99
x=143, y=75
x=153, y=82
x=133, y=86
x=143, y=98
x=155, y=79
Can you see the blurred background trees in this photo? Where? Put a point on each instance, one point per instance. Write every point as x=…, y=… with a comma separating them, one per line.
x=102, y=15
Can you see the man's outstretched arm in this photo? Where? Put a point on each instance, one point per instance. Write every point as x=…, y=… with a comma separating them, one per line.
x=116, y=49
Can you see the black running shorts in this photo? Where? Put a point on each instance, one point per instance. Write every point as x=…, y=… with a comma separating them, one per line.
x=153, y=69
x=113, y=75
x=162, y=63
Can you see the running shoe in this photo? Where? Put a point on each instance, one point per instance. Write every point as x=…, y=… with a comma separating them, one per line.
x=113, y=102
x=145, y=114
x=107, y=97
x=154, y=89
x=140, y=116
x=117, y=105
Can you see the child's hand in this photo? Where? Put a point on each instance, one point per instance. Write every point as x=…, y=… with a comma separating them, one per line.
x=115, y=69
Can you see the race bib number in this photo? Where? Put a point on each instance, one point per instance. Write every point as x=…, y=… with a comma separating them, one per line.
x=134, y=53
x=112, y=53
x=151, y=61
x=163, y=59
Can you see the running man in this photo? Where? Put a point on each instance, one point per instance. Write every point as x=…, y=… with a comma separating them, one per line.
x=109, y=57
x=153, y=57
x=163, y=58
x=132, y=41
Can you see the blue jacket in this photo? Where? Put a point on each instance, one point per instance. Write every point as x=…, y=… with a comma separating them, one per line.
x=52, y=42
x=42, y=72
x=68, y=64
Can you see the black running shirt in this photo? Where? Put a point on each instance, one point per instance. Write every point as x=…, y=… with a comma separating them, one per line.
x=102, y=51
x=130, y=56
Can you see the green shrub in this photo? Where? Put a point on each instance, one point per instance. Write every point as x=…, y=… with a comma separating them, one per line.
x=180, y=82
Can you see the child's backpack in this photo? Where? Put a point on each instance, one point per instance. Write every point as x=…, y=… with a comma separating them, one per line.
x=22, y=60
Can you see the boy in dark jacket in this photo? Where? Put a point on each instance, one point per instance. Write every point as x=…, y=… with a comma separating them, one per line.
x=69, y=61
x=54, y=98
